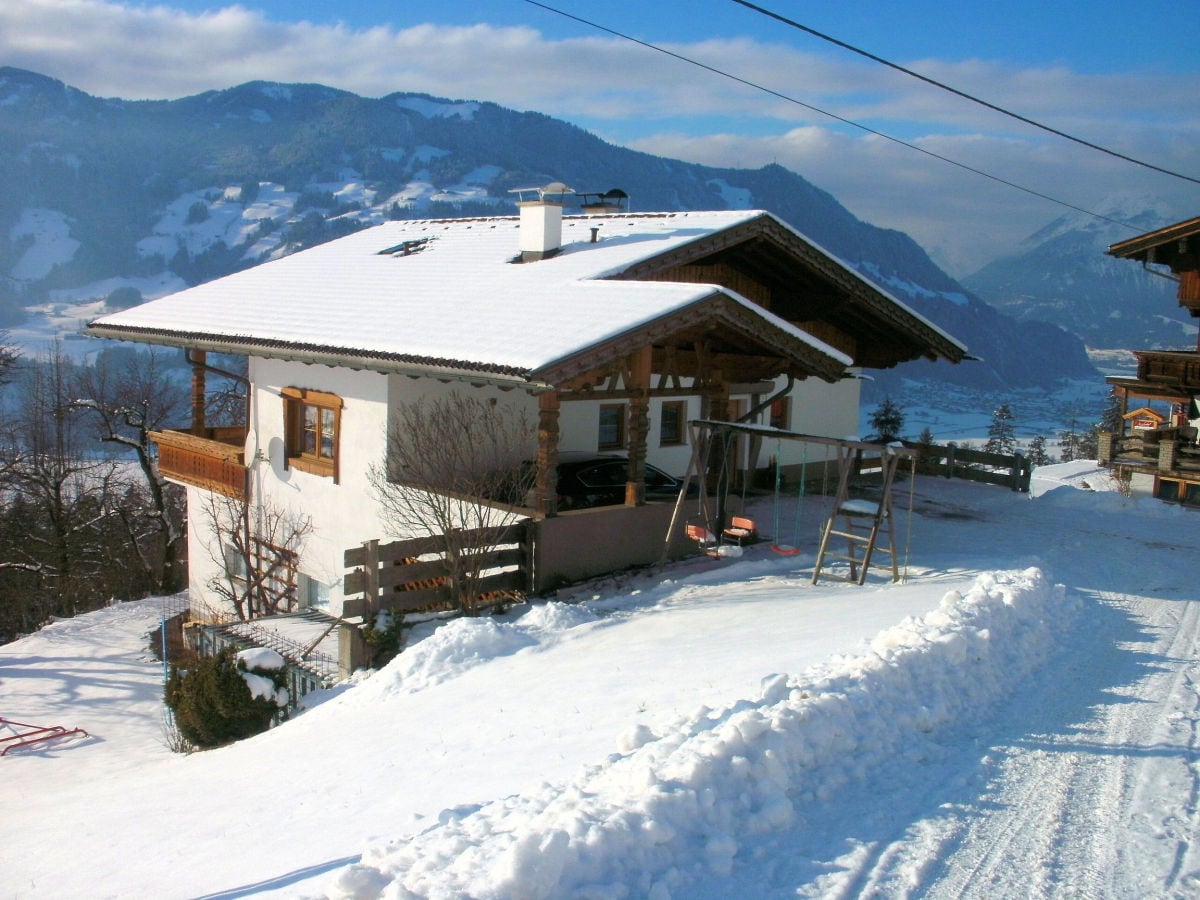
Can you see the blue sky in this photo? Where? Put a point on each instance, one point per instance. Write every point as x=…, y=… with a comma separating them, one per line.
x=1126, y=77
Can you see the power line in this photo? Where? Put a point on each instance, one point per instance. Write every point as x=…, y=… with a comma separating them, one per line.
x=834, y=116
x=963, y=94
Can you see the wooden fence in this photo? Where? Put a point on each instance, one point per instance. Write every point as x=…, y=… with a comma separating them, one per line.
x=949, y=461
x=411, y=575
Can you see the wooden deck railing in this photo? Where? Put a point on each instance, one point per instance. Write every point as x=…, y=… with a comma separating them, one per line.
x=390, y=576
x=214, y=461
x=1011, y=471
x=1163, y=452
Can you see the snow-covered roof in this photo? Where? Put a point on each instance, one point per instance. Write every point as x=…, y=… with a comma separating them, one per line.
x=448, y=294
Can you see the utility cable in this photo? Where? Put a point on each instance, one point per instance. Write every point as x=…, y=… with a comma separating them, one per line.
x=834, y=116
x=953, y=90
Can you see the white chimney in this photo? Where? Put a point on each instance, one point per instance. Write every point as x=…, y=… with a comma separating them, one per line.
x=541, y=221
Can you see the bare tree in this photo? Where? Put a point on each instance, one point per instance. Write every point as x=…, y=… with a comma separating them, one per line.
x=256, y=548
x=64, y=494
x=130, y=394
x=454, y=472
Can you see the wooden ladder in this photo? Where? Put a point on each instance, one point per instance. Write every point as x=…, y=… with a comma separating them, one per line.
x=861, y=522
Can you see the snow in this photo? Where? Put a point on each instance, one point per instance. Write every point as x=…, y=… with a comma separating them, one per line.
x=1017, y=718
x=513, y=318
x=51, y=243
x=260, y=658
x=439, y=109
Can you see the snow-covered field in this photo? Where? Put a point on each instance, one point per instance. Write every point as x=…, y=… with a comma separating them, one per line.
x=1019, y=718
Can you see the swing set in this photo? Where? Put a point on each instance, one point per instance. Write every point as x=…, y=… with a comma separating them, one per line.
x=867, y=526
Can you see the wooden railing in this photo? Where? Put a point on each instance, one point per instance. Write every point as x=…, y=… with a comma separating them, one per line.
x=1013, y=472
x=214, y=461
x=392, y=576
x=1163, y=452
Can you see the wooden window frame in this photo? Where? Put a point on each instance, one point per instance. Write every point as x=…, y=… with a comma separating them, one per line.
x=679, y=438
x=295, y=403
x=622, y=416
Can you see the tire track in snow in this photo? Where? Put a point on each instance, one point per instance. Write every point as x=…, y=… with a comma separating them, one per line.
x=1065, y=812
x=1179, y=728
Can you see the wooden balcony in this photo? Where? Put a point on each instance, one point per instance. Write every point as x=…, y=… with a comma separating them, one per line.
x=1166, y=453
x=214, y=461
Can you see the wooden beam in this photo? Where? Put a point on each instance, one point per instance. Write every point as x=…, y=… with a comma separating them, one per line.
x=638, y=367
x=546, y=479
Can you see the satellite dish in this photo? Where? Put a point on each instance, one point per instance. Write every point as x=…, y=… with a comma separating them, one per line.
x=251, y=448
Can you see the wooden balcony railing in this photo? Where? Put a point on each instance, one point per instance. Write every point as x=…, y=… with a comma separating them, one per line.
x=215, y=461
x=1165, y=452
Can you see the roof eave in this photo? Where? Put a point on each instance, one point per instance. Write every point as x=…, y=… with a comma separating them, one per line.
x=327, y=356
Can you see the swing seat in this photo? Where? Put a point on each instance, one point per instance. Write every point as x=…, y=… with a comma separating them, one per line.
x=785, y=549
x=705, y=539
x=741, y=530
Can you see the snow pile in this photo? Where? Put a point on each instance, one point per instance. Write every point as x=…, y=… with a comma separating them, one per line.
x=668, y=810
x=440, y=651
x=261, y=659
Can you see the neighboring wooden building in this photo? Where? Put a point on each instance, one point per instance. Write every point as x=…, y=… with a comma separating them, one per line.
x=611, y=331
x=1167, y=456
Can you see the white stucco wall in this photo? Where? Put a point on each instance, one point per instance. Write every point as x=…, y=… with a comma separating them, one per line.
x=817, y=407
x=345, y=513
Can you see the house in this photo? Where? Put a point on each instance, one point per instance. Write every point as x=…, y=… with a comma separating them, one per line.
x=1162, y=456
x=611, y=330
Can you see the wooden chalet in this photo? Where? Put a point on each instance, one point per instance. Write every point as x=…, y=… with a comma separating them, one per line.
x=614, y=328
x=1167, y=452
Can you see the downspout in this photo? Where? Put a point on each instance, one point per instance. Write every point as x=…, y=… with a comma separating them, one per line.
x=766, y=404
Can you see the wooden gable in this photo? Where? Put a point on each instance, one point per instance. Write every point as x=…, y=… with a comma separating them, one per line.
x=716, y=339
x=1176, y=246
x=768, y=263
x=1144, y=419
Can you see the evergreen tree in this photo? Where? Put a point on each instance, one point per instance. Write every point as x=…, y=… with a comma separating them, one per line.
x=1037, y=452
x=213, y=704
x=1001, y=435
x=886, y=420
x=1110, y=419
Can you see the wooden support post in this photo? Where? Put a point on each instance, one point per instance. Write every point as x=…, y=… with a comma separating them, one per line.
x=718, y=410
x=371, y=579
x=639, y=425
x=198, y=359
x=546, y=485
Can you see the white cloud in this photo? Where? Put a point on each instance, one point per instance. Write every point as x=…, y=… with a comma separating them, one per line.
x=652, y=102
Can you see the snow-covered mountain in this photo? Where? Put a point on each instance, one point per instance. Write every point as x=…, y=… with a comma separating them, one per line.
x=1062, y=275
x=146, y=197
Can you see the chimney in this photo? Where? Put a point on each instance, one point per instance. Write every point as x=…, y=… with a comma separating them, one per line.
x=541, y=220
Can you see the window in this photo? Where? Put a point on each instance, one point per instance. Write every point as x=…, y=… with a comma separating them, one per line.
x=312, y=420
x=781, y=413
x=612, y=426
x=235, y=562
x=312, y=592
x=670, y=425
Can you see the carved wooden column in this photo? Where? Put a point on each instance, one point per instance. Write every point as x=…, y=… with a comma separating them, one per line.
x=639, y=425
x=717, y=401
x=546, y=485
x=198, y=359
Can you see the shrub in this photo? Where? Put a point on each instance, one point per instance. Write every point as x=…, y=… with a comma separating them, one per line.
x=384, y=635
x=213, y=704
